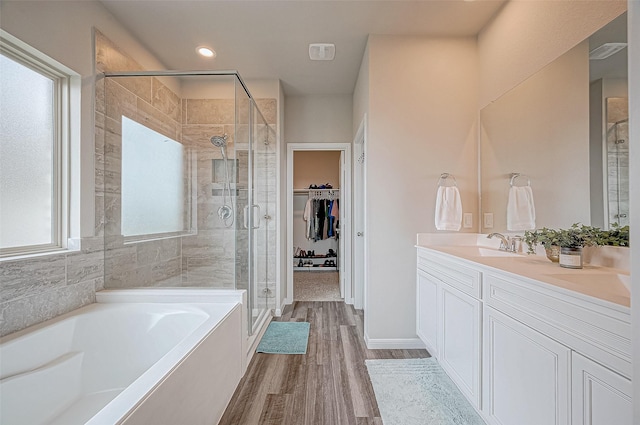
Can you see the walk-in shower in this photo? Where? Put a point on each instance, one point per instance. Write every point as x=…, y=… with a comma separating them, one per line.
x=187, y=184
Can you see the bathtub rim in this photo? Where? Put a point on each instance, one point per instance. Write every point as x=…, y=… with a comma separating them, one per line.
x=125, y=403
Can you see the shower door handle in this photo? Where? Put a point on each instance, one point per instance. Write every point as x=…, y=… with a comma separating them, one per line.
x=256, y=215
x=250, y=215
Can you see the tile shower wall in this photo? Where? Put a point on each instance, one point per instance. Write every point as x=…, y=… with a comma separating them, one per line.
x=210, y=254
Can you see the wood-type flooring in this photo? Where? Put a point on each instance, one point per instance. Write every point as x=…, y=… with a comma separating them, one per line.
x=328, y=385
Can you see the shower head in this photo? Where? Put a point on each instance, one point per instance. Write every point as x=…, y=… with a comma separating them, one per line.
x=220, y=142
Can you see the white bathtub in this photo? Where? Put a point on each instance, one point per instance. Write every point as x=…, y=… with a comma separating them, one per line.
x=126, y=362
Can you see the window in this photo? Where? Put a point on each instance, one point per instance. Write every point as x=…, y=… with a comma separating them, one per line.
x=34, y=146
x=155, y=177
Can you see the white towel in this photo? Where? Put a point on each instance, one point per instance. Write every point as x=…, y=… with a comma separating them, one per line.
x=521, y=213
x=448, y=208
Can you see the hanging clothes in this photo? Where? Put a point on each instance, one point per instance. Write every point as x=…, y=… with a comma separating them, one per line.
x=321, y=216
x=331, y=220
x=308, y=218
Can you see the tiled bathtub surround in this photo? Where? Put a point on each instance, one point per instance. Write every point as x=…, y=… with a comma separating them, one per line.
x=39, y=288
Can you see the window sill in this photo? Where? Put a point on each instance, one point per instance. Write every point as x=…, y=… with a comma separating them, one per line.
x=130, y=240
x=36, y=255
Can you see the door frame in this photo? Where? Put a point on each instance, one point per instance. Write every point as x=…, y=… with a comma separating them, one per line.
x=360, y=285
x=345, y=214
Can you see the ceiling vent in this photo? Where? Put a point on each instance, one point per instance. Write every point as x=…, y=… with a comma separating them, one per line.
x=322, y=51
x=606, y=50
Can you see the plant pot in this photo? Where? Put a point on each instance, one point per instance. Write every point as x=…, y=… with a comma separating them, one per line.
x=571, y=258
x=553, y=253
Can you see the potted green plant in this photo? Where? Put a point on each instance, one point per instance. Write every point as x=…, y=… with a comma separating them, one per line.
x=548, y=238
x=615, y=236
x=565, y=245
x=572, y=240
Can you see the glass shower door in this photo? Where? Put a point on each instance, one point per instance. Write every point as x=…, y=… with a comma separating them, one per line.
x=261, y=217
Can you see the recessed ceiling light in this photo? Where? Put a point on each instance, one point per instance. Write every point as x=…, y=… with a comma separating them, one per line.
x=206, y=52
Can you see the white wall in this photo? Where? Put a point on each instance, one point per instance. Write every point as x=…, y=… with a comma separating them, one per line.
x=361, y=92
x=318, y=119
x=634, y=178
x=527, y=35
x=63, y=30
x=310, y=119
x=422, y=122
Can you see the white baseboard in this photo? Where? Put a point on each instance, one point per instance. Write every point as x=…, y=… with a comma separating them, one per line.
x=393, y=343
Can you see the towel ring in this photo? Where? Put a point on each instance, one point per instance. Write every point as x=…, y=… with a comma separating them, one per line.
x=514, y=176
x=444, y=177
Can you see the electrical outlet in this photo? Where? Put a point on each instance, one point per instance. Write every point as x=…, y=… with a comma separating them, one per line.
x=467, y=222
x=488, y=220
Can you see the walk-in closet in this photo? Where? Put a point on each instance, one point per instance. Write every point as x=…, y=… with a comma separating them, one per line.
x=316, y=225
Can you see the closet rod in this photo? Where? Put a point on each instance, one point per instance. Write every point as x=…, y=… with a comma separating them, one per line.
x=305, y=191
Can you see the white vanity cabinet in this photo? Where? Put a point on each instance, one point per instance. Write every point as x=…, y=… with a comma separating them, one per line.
x=427, y=311
x=523, y=350
x=449, y=319
x=459, y=333
x=600, y=396
x=526, y=374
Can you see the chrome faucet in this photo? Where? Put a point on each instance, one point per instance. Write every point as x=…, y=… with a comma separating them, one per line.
x=505, y=243
x=513, y=243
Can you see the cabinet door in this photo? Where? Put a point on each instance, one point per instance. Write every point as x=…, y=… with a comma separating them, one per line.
x=459, y=340
x=600, y=396
x=427, y=311
x=526, y=375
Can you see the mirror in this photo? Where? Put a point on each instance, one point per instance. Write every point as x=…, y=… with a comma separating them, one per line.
x=562, y=131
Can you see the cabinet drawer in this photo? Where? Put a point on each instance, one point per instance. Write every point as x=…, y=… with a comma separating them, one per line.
x=601, y=333
x=453, y=273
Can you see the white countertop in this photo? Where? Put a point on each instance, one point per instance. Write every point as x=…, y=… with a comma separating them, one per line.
x=604, y=283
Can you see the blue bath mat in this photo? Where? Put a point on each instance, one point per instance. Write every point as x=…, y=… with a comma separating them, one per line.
x=418, y=392
x=285, y=338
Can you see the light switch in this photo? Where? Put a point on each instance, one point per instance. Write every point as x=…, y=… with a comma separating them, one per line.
x=467, y=221
x=488, y=220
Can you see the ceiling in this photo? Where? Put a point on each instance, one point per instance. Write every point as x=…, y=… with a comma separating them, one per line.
x=270, y=39
x=615, y=66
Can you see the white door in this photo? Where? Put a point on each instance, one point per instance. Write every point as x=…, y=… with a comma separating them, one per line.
x=526, y=375
x=459, y=340
x=599, y=395
x=359, y=218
